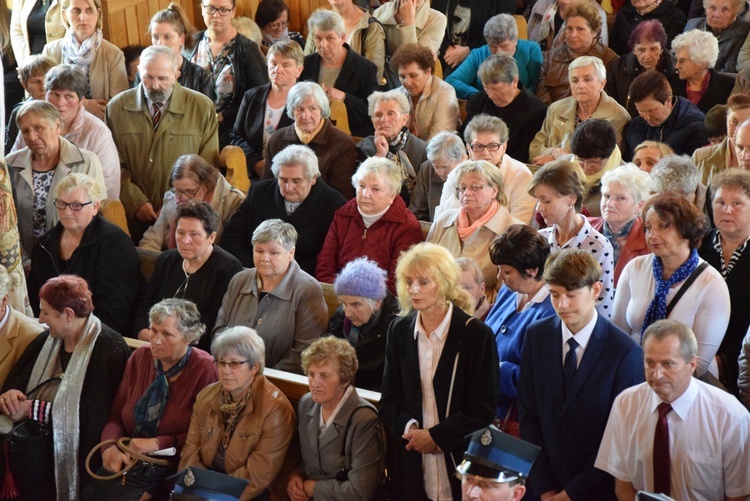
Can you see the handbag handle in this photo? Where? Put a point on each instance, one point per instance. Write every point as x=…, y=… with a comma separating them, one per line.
x=46, y=381
x=122, y=444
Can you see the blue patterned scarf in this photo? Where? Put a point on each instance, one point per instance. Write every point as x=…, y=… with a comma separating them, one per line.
x=150, y=406
x=657, y=310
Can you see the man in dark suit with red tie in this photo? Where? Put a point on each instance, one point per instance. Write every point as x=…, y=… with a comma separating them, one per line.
x=573, y=366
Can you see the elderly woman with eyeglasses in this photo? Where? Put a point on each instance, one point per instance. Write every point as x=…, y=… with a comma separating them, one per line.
x=468, y=231
x=85, y=244
x=251, y=420
x=37, y=169
x=154, y=402
x=696, y=53
x=588, y=100
x=196, y=270
x=192, y=178
x=501, y=35
x=376, y=224
x=234, y=61
x=281, y=302
x=307, y=104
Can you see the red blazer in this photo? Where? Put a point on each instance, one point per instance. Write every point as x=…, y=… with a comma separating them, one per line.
x=634, y=246
x=383, y=242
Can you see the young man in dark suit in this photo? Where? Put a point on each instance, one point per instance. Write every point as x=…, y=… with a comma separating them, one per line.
x=572, y=367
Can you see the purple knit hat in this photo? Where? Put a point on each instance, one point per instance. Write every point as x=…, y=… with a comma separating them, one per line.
x=361, y=277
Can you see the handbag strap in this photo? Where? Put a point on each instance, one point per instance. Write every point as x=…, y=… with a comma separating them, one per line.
x=681, y=292
x=46, y=381
x=122, y=444
x=346, y=432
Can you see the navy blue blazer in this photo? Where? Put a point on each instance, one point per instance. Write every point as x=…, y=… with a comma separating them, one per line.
x=569, y=428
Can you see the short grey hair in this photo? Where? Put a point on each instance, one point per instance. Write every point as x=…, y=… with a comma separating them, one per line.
x=486, y=123
x=447, y=146
x=301, y=91
x=392, y=95
x=675, y=173
x=185, y=313
x=241, y=341
x=42, y=109
x=73, y=180
x=736, y=5
x=498, y=68
x=297, y=154
x=661, y=329
x=630, y=177
x=67, y=77
x=5, y=284
x=468, y=264
x=583, y=61
x=154, y=52
x=326, y=20
x=380, y=167
x=275, y=230
x=702, y=47
x=500, y=28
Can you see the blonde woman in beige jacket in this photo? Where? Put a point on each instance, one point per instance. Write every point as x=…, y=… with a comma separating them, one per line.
x=84, y=46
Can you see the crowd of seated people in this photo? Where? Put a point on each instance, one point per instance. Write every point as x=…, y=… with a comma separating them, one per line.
x=442, y=233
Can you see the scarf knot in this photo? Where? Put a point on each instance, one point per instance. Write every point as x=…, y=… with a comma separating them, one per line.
x=657, y=310
x=149, y=408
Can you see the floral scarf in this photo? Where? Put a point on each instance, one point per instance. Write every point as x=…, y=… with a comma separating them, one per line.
x=220, y=68
x=82, y=54
x=397, y=156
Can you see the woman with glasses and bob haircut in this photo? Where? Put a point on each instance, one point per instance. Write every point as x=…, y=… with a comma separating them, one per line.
x=250, y=420
x=83, y=243
x=234, y=62
x=483, y=216
x=154, y=402
x=192, y=178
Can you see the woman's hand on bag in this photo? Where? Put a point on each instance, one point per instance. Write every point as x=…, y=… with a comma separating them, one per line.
x=13, y=404
x=114, y=460
x=144, y=445
x=295, y=488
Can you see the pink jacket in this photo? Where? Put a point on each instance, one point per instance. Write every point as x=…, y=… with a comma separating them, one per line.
x=383, y=242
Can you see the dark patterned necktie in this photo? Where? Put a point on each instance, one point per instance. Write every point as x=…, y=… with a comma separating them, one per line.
x=661, y=451
x=157, y=114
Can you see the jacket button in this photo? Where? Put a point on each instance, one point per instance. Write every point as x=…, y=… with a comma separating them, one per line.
x=260, y=321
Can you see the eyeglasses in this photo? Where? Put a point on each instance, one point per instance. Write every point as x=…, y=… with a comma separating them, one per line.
x=187, y=193
x=473, y=188
x=595, y=163
x=75, y=206
x=233, y=364
x=479, y=147
x=223, y=11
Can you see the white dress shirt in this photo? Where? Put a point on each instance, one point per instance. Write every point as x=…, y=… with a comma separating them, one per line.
x=709, y=442
x=430, y=348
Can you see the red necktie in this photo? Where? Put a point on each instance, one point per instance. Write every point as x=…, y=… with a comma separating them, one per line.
x=157, y=114
x=661, y=451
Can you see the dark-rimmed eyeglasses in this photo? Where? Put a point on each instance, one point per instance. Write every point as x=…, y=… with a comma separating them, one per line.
x=232, y=364
x=187, y=193
x=74, y=206
x=223, y=11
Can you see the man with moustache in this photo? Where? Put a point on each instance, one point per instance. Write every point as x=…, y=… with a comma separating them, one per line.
x=674, y=434
x=152, y=125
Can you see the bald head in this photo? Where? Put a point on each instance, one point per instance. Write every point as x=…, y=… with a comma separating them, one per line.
x=742, y=144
